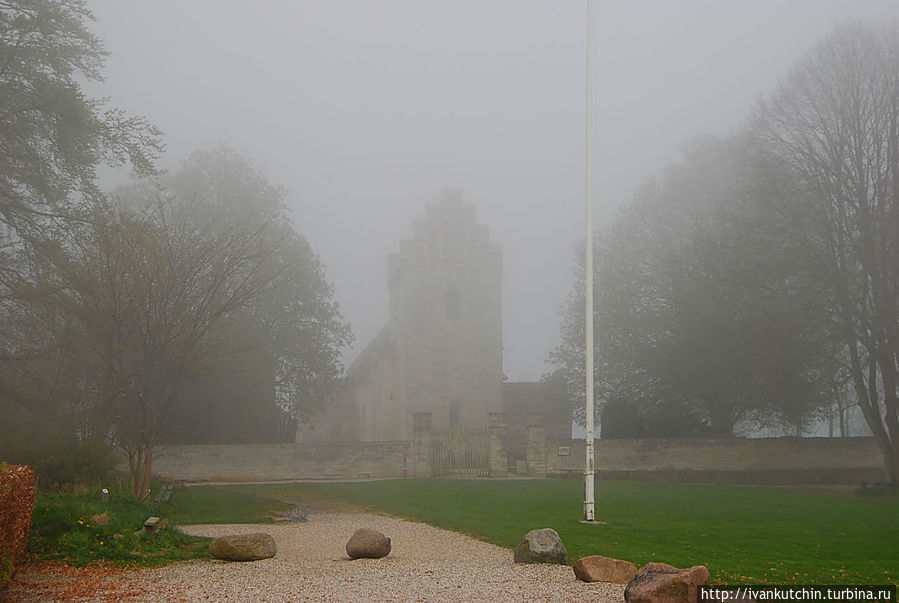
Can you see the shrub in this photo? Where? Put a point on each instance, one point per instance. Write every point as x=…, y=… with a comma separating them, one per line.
x=71, y=463
x=16, y=503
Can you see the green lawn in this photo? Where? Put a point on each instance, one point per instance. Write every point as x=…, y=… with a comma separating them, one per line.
x=744, y=534
x=81, y=529
x=223, y=504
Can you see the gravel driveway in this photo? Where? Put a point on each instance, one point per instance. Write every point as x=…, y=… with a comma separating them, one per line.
x=425, y=564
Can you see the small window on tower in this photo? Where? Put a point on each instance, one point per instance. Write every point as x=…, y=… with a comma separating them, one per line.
x=453, y=304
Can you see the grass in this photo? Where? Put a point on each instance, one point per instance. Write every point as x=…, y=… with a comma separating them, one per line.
x=745, y=535
x=81, y=529
x=223, y=504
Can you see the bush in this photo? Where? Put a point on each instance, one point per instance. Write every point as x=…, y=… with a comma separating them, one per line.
x=76, y=463
x=46, y=441
x=16, y=501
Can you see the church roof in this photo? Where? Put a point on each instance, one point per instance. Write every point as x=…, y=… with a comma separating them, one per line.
x=360, y=369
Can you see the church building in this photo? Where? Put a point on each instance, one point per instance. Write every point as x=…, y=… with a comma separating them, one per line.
x=441, y=350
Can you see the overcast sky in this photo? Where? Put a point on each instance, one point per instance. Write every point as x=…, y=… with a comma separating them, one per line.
x=365, y=110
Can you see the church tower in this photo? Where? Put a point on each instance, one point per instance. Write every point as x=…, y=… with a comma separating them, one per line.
x=446, y=316
x=441, y=352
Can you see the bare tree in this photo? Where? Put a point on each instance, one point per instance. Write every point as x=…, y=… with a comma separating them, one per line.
x=296, y=317
x=153, y=295
x=834, y=126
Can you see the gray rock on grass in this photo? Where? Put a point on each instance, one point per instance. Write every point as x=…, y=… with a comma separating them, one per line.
x=541, y=546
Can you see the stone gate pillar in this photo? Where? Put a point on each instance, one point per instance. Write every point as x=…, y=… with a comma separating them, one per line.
x=499, y=460
x=536, y=444
x=421, y=444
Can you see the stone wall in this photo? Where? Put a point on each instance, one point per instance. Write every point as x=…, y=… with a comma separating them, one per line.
x=770, y=461
x=316, y=461
x=267, y=462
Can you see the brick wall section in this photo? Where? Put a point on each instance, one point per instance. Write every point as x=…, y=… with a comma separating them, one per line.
x=757, y=461
x=266, y=462
x=16, y=505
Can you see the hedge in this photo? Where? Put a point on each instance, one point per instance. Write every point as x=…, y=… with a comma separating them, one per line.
x=16, y=505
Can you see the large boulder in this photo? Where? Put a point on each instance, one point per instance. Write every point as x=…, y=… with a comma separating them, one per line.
x=541, y=546
x=663, y=583
x=596, y=568
x=243, y=547
x=366, y=543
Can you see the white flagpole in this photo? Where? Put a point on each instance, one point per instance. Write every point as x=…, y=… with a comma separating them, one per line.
x=589, y=503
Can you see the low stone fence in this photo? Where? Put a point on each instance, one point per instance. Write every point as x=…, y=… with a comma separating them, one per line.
x=267, y=462
x=321, y=461
x=16, y=506
x=762, y=461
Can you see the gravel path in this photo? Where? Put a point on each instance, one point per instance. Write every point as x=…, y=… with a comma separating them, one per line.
x=425, y=564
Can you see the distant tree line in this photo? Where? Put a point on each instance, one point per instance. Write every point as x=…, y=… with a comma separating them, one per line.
x=755, y=283
x=182, y=307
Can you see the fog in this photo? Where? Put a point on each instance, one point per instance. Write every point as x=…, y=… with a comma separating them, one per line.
x=366, y=110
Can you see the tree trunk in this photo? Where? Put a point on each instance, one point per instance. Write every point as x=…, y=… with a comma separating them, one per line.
x=140, y=463
x=892, y=464
x=890, y=382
